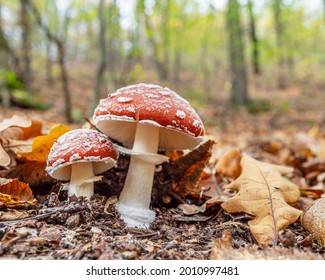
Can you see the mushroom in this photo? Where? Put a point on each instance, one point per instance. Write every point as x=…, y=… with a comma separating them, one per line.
x=77, y=156
x=146, y=118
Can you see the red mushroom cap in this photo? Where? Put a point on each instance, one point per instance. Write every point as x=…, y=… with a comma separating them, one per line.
x=151, y=104
x=80, y=145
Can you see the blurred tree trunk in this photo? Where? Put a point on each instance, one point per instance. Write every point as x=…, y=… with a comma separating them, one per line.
x=159, y=60
x=102, y=45
x=279, y=33
x=4, y=66
x=324, y=8
x=26, y=72
x=61, y=59
x=49, y=63
x=4, y=50
x=239, y=93
x=166, y=37
x=113, y=39
x=254, y=39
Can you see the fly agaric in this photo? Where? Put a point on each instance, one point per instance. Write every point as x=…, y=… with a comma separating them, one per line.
x=77, y=156
x=146, y=118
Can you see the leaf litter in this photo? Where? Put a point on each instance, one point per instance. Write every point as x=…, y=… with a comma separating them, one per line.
x=58, y=227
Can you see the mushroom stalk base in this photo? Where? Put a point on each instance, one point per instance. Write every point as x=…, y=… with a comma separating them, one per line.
x=135, y=197
x=82, y=179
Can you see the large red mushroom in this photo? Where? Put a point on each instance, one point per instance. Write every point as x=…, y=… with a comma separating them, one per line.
x=146, y=118
x=78, y=156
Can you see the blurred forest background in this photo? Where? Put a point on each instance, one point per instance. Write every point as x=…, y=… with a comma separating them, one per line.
x=63, y=56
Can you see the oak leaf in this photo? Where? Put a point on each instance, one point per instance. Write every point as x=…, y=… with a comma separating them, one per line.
x=20, y=121
x=42, y=144
x=14, y=193
x=264, y=193
x=229, y=164
x=313, y=220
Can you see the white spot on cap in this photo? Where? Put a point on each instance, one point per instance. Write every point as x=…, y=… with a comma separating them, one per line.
x=196, y=123
x=165, y=92
x=58, y=162
x=150, y=95
x=75, y=157
x=131, y=109
x=124, y=99
x=181, y=114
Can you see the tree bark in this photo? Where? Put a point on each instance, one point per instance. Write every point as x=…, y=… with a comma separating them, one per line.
x=4, y=66
x=324, y=8
x=158, y=61
x=102, y=45
x=239, y=92
x=26, y=72
x=254, y=39
x=282, y=73
x=61, y=58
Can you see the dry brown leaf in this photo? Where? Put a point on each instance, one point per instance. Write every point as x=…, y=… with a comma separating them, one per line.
x=4, y=157
x=42, y=144
x=14, y=193
x=229, y=164
x=223, y=250
x=191, y=209
x=264, y=193
x=13, y=214
x=186, y=171
x=32, y=173
x=313, y=220
x=16, y=121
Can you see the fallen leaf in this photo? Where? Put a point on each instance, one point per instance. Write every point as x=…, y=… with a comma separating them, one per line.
x=15, y=120
x=6, y=124
x=190, y=209
x=229, y=164
x=223, y=250
x=14, y=193
x=13, y=214
x=34, y=130
x=264, y=193
x=186, y=171
x=23, y=133
x=313, y=220
x=42, y=144
x=31, y=173
x=4, y=157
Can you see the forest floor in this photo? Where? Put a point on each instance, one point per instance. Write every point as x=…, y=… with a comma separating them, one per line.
x=61, y=228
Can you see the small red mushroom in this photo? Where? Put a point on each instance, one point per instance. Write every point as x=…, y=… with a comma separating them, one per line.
x=147, y=118
x=77, y=156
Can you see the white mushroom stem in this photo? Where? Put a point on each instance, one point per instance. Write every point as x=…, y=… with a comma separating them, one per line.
x=82, y=179
x=135, y=197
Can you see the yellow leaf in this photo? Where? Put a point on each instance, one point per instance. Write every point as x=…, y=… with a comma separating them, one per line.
x=42, y=144
x=264, y=193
